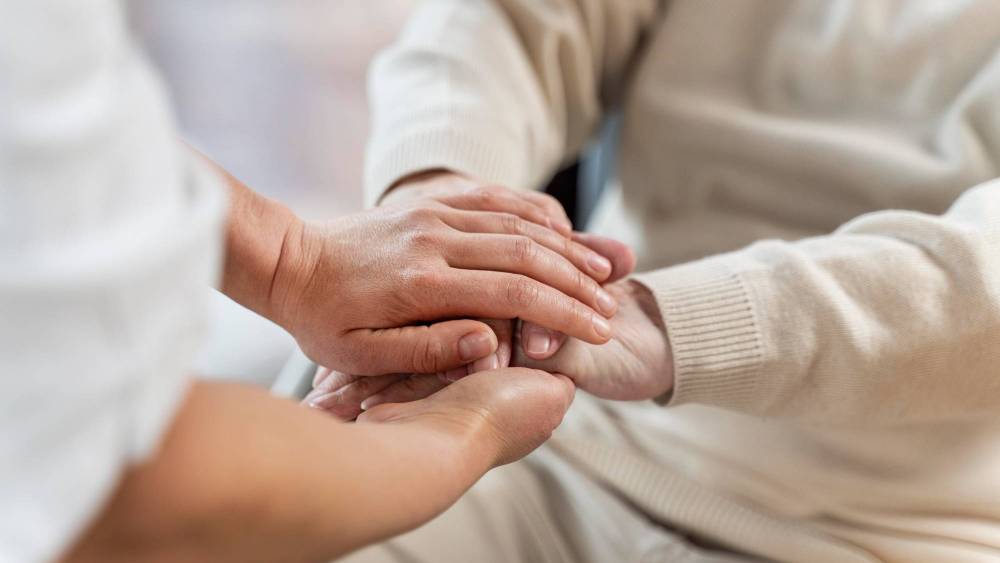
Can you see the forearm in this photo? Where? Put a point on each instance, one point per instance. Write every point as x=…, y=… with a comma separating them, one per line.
x=887, y=320
x=243, y=476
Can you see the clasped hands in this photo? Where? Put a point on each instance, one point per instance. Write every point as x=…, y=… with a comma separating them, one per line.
x=458, y=245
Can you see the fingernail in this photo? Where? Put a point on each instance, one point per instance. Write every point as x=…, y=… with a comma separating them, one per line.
x=485, y=364
x=599, y=264
x=320, y=402
x=538, y=342
x=601, y=326
x=474, y=346
x=606, y=303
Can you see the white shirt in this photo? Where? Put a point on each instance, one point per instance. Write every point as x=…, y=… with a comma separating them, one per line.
x=109, y=234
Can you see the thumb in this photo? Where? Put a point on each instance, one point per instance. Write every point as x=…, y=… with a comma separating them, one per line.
x=420, y=349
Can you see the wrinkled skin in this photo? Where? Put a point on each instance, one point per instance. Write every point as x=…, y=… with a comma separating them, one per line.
x=636, y=364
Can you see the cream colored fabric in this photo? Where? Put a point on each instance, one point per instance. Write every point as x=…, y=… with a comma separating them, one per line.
x=547, y=509
x=840, y=375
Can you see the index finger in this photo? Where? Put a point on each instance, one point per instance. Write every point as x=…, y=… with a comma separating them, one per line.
x=502, y=295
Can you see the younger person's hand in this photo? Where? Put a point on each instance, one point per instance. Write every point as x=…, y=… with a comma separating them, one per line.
x=499, y=416
x=357, y=291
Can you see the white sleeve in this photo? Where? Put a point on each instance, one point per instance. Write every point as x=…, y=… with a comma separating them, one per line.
x=109, y=237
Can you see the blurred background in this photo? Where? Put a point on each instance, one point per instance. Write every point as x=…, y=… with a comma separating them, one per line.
x=275, y=92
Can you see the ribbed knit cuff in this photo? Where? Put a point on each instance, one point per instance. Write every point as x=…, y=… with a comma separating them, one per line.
x=713, y=332
x=478, y=154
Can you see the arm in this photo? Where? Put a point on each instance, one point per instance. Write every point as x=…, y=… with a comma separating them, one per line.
x=290, y=484
x=419, y=263
x=110, y=236
x=503, y=90
x=894, y=317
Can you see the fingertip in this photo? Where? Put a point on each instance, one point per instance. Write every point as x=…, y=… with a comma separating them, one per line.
x=606, y=303
x=477, y=344
x=371, y=403
x=600, y=267
x=569, y=385
x=621, y=256
x=602, y=328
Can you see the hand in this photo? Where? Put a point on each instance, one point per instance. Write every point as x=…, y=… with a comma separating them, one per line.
x=342, y=394
x=636, y=364
x=346, y=395
x=345, y=288
x=456, y=190
x=502, y=414
x=445, y=187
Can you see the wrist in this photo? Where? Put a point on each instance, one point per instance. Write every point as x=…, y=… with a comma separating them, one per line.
x=298, y=257
x=264, y=248
x=647, y=303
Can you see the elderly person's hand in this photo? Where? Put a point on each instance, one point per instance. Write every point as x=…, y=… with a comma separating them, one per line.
x=636, y=364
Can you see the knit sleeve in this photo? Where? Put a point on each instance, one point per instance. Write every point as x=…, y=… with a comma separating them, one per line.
x=893, y=317
x=502, y=90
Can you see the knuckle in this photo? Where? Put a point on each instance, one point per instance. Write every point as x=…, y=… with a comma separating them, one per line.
x=423, y=238
x=362, y=388
x=579, y=314
x=583, y=283
x=568, y=247
x=491, y=190
x=512, y=224
x=428, y=356
x=485, y=195
x=523, y=293
x=524, y=250
x=423, y=277
x=420, y=216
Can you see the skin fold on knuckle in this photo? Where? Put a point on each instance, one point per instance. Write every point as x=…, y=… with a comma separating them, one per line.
x=429, y=356
x=579, y=317
x=584, y=286
x=524, y=251
x=512, y=224
x=485, y=197
x=522, y=293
